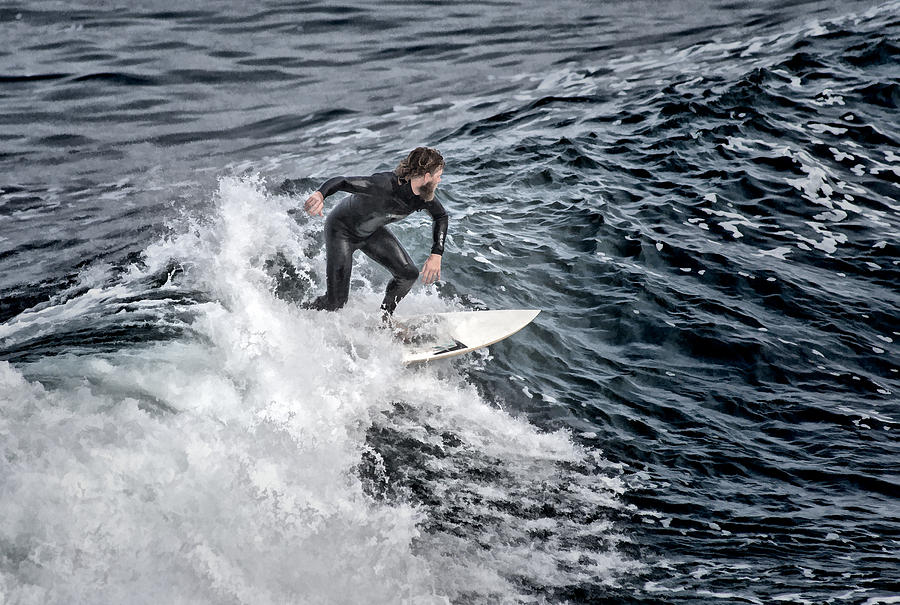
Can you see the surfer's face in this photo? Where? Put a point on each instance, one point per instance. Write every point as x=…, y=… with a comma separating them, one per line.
x=429, y=184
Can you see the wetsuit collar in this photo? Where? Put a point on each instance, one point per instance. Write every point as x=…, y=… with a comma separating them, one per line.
x=407, y=195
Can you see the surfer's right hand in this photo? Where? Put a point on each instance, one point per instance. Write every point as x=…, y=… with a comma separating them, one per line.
x=314, y=204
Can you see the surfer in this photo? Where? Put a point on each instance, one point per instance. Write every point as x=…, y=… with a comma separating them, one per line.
x=359, y=222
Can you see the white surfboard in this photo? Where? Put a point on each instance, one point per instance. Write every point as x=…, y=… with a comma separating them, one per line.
x=442, y=335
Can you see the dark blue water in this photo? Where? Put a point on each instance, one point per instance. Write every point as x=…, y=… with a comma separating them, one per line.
x=704, y=201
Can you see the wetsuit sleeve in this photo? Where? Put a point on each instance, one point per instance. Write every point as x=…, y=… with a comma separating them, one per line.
x=440, y=220
x=351, y=184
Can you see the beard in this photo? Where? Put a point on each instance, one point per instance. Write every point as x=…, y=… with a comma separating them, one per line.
x=426, y=191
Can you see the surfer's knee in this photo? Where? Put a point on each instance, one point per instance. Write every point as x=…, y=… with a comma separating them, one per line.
x=408, y=273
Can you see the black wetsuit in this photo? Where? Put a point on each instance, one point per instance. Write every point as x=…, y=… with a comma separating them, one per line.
x=359, y=223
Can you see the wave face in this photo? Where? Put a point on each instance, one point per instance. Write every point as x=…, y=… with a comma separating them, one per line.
x=702, y=199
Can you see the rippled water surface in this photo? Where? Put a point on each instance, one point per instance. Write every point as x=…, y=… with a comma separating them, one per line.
x=703, y=199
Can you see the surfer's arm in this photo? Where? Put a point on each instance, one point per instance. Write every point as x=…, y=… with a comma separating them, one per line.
x=440, y=220
x=350, y=184
x=431, y=272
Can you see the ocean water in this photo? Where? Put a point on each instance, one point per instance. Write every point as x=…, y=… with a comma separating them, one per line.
x=703, y=198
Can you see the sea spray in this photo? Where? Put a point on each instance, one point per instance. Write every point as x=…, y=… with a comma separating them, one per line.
x=230, y=463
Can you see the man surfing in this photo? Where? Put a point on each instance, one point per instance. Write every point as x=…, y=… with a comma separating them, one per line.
x=359, y=222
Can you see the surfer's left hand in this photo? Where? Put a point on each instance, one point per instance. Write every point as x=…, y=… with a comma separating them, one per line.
x=431, y=272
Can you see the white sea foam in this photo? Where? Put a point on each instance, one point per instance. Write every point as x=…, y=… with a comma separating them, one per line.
x=780, y=252
x=223, y=466
x=823, y=128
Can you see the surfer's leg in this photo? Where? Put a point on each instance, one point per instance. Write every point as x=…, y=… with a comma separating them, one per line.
x=385, y=249
x=338, y=263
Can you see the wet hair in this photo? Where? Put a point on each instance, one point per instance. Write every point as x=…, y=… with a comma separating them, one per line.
x=420, y=160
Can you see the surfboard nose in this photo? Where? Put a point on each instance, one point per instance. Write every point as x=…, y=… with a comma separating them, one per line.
x=463, y=331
